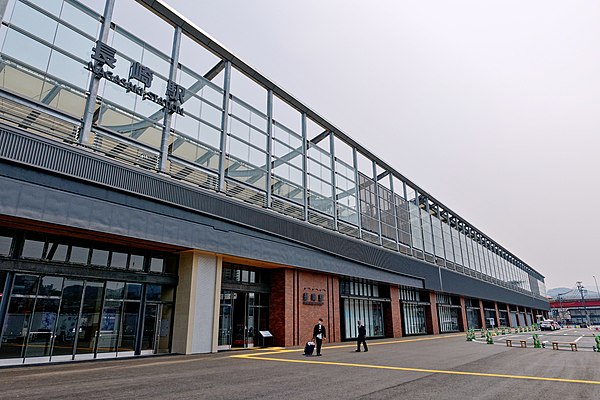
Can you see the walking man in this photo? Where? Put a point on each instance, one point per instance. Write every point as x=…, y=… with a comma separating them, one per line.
x=319, y=334
x=362, y=333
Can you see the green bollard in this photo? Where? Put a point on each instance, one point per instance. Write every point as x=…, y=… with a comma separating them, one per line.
x=503, y=331
x=469, y=336
x=489, y=338
x=597, y=338
x=536, y=341
x=482, y=333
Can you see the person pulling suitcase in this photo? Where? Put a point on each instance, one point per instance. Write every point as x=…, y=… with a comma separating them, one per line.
x=362, y=334
x=319, y=334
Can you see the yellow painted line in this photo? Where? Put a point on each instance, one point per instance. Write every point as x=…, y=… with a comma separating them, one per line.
x=420, y=339
x=427, y=371
x=277, y=350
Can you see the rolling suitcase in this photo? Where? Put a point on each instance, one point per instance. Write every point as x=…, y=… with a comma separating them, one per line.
x=309, y=348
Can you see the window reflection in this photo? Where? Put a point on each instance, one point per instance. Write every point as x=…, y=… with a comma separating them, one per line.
x=51, y=286
x=5, y=245
x=33, y=249
x=79, y=255
x=34, y=22
x=56, y=252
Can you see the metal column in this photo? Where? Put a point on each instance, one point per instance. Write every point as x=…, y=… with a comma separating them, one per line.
x=304, y=167
x=90, y=103
x=377, y=205
x=269, y=147
x=357, y=190
x=139, y=336
x=395, y=212
x=333, y=179
x=164, y=142
x=224, y=122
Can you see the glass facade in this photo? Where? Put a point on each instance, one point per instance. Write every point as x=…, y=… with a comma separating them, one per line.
x=448, y=313
x=231, y=134
x=77, y=308
x=243, y=307
x=52, y=318
x=473, y=313
x=361, y=301
x=413, y=312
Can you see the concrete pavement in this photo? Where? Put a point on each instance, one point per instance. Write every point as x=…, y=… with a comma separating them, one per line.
x=431, y=367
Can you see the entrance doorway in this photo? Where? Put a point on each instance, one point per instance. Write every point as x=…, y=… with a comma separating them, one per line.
x=51, y=318
x=242, y=316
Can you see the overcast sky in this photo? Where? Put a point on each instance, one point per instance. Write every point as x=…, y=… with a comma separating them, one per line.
x=493, y=107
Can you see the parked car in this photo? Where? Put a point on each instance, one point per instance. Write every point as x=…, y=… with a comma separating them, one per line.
x=549, y=325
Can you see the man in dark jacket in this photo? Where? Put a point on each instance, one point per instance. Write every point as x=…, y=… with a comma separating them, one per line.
x=319, y=335
x=362, y=333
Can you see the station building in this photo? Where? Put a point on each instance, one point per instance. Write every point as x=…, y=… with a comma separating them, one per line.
x=160, y=195
x=574, y=311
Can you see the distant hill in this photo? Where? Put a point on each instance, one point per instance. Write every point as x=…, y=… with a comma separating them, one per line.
x=569, y=293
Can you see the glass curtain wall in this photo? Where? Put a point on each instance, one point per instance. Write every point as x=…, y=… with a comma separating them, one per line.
x=490, y=317
x=51, y=318
x=448, y=313
x=413, y=312
x=361, y=301
x=244, y=306
x=473, y=314
x=230, y=127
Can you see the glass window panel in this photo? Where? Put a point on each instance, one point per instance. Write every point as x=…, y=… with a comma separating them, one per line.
x=115, y=290
x=79, y=255
x=124, y=45
x=87, y=334
x=131, y=312
x=56, y=252
x=66, y=327
x=153, y=292
x=134, y=291
x=118, y=260
x=100, y=258
x=210, y=135
x=68, y=70
x=196, y=57
x=5, y=245
x=109, y=326
x=33, y=249
x=51, y=6
x=51, y=286
x=34, y=22
x=156, y=62
x=247, y=153
x=96, y=5
x=16, y=327
x=162, y=33
x=42, y=327
x=136, y=262
x=79, y=19
x=157, y=265
x=25, y=284
x=74, y=43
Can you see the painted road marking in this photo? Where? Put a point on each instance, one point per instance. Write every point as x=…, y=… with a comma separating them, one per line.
x=260, y=352
x=422, y=370
x=578, y=339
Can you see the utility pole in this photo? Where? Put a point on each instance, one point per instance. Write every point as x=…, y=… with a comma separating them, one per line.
x=561, y=312
x=580, y=288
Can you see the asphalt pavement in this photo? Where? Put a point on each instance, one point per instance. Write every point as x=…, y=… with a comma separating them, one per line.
x=429, y=367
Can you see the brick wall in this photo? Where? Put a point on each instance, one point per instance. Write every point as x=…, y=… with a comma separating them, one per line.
x=391, y=314
x=292, y=316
